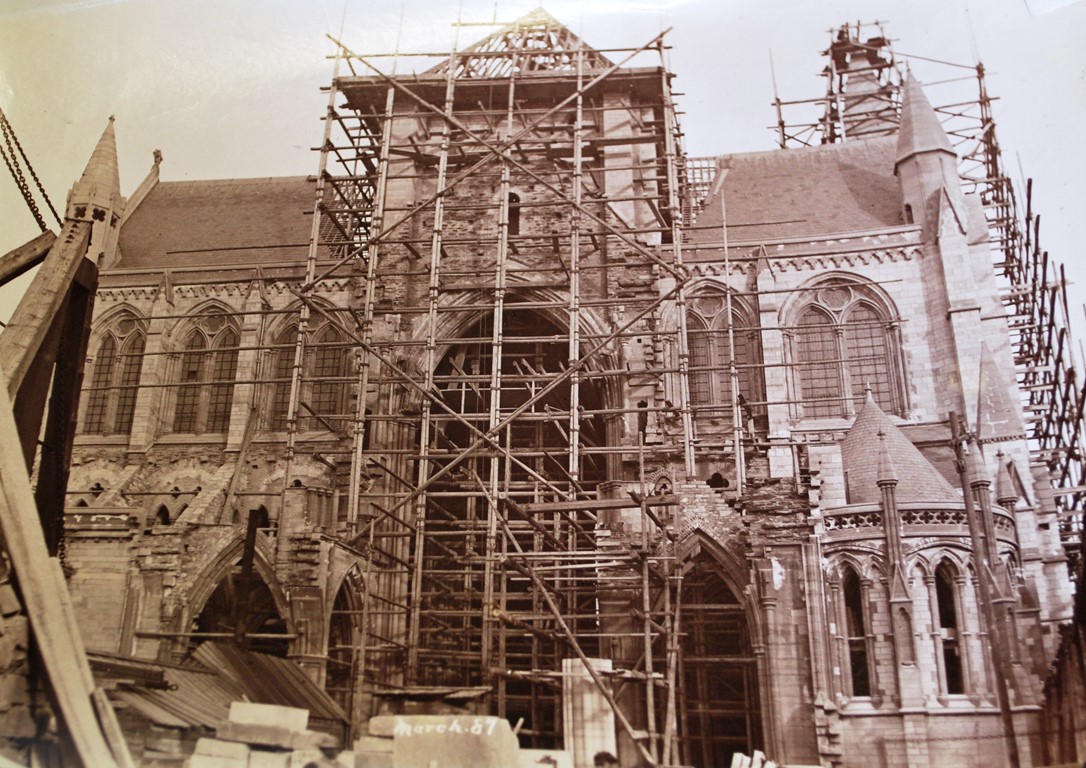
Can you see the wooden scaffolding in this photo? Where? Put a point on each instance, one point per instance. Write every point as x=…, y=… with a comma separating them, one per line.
x=511, y=221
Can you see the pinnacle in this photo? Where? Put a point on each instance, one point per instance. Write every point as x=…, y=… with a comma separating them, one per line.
x=920, y=129
x=101, y=179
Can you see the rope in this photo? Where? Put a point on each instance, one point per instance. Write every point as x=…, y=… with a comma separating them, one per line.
x=11, y=160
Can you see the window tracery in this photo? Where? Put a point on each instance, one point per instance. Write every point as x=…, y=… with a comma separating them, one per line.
x=118, y=361
x=205, y=382
x=844, y=341
x=325, y=381
x=710, y=350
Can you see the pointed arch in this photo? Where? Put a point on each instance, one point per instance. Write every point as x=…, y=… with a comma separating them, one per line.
x=326, y=368
x=282, y=365
x=843, y=331
x=948, y=615
x=713, y=334
x=212, y=589
x=855, y=632
x=720, y=711
x=206, y=372
x=344, y=630
x=114, y=380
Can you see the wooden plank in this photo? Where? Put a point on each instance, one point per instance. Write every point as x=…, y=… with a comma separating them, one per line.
x=592, y=505
x=25, y=257
x=112, y=729
x=23, y=337
x=56, y=450
x=60, y=647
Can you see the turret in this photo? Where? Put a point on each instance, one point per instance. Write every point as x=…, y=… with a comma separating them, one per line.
x=926, y=163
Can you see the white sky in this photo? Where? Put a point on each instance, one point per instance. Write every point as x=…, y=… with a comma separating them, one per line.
x=231, y=88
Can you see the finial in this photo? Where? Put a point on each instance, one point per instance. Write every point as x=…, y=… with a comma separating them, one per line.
x=886, y=474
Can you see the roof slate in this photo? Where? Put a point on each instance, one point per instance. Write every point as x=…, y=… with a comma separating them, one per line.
x=219, y=223
x=917, y=479
x=811, y=192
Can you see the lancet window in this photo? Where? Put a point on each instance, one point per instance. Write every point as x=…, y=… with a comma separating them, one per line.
x=324, y=381
x=115, y=375
x=205, y=382
x=712, y=351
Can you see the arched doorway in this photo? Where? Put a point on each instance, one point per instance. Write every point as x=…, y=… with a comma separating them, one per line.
x=483, y=621
x=343, y=643
x=720, y=706
x=245, y=604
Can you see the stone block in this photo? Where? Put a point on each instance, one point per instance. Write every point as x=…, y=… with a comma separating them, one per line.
x=291, y=718
x=215, y=761
x=306, y=757
x=13, y=690
x=260, y=758
x=314, y=740
x=373, y=744
x=229, y=750
x=18, y=723
x=374, y=760
x=383, y=725
x=463, y=741
x=257, y=734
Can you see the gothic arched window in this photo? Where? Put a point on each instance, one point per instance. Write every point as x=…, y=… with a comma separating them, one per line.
x=845, y=341
x=710, y=355
x=946, y=597
x=205, y=382
x=114, y=380
x=324, y=384
x=281, y=368
x=856, y=634
x=326, y=368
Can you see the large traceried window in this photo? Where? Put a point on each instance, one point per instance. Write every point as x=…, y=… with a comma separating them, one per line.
x=707, y=326
x=844, y=341
x=206, y=377
x=325, y=380
x=114, y=380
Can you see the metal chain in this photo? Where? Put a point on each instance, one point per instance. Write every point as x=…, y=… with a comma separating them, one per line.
x=12, y=162
x=30, y=168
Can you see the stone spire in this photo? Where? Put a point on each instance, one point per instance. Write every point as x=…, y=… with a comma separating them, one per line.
x=926, y=166
x=96, y=197
x=100, y=185
x=920, y=129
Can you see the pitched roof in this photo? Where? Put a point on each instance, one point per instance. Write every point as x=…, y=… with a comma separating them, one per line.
x=917, y=479
x=539, y=41
x=219, y=223
x=920, y=129
x=809, y=192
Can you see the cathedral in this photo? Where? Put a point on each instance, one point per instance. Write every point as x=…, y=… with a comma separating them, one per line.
x=512, y=409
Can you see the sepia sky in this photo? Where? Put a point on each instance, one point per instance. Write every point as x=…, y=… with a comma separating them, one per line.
x=231, y=88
